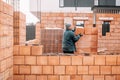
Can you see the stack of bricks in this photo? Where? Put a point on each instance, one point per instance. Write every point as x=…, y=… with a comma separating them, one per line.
x=6, y=41
x=87, y=43
x=33, y=66
x=19, y=28
x=51, y=39
x=109, y=44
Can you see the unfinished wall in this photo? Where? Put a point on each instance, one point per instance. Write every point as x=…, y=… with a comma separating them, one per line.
x=19, y=28
x=87, y=43
x=109, y=44
x=32, y=65
x=6, y=41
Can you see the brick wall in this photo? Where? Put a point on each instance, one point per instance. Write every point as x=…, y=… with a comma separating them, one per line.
x=6, y=41
x=34, y=66
x=111, y=42
x=19, y=28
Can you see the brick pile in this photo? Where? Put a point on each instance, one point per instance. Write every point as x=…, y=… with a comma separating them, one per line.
x=6, y=41
x=29, y=65
x=110, y=44
x=19, y=28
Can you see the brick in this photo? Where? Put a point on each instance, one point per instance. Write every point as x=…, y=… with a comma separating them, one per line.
x=71, y=69
x=18, y=77
x=64, y=77
x=111, y=77
x=42, y=77
x=42, y=60
x=65, y=60
x=118, y=77
x=16, y=49
x=94, y=70
x=106, y=69
x=18, y=60
x=16, y=69
x=53, y=60
x=25, y=50
x=99, y=60
x=47, y=69
x=59, y=69
x=36, y=69
x=53, y=77
x=37, y=50
x=77, y=60
x=24, y=70
x=30, y=77
x=94, y=30
x=79, y=31
x=30, y=60
x=98, y=77
x=88, y=60
x=111, y=60
x=115, y=69
x=87, y=77
x=82, y=69
x=88, y=30
x=118, y=60
x=75, y=77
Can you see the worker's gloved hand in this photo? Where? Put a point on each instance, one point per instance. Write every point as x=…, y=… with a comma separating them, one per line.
x=81, y=35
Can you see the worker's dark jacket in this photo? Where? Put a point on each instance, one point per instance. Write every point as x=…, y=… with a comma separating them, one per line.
x=69, y=39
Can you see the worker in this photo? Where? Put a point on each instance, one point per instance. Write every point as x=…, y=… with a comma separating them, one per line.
x=69, y=39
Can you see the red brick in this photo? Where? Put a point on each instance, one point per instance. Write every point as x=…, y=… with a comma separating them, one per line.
x=82, y=69
x=79, y=31
x=18, y=60
x=77, y=60
x=37, y=50
x=16, y=69
x=36, y=69
x=18, y=77
x=47, y=69
x=25, y=50
x=75, y=77
x=59, y=70
x=65, y=60
x=24, y=70
x=118, y=60
x=88, y=60
x=118, y=77
x=94, y=70
x=115, y=69
x=99, y=60
x=71, y=69
x=30, y=60
x=112, y=77
x=53, y=77
x=53, y=60
x=30, y=77
x=99, y=77
x=111, y=60
x=42, y=60
x=87, y=77
x=64, y=77
x=94, y=30
x=106, y=69
x=88, y=30
x=16, y=49
x=42, y=77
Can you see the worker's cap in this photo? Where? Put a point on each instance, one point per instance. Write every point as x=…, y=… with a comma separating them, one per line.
x=67, y=25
